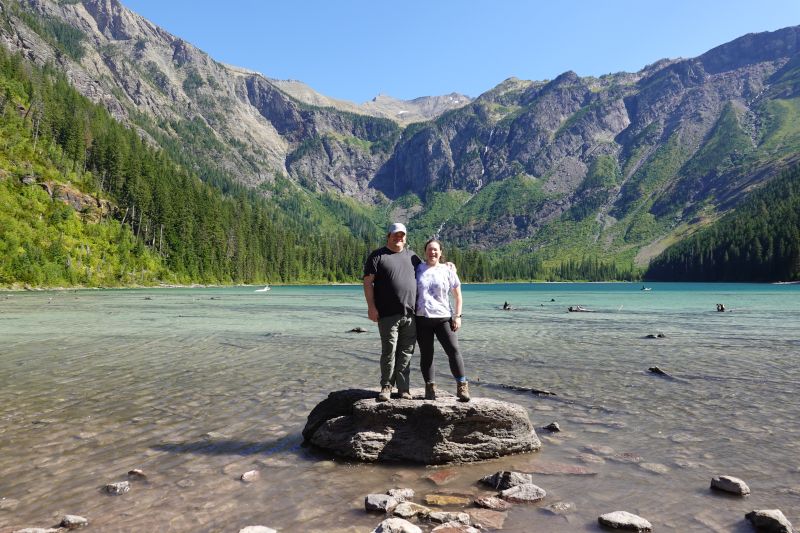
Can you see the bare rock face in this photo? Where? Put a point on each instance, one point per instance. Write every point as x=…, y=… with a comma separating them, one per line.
x=351, y=423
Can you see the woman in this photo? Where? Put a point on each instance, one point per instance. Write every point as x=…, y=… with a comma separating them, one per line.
x=435, y=282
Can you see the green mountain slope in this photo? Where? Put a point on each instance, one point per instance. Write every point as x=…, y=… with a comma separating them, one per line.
x=758, y=241
x=158, y=221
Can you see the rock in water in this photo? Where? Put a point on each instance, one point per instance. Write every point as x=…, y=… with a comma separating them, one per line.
x=505, y=480
x=625, y=520
x=72, y=521
x=769, y=520
x=352, y=424
x=731, y=484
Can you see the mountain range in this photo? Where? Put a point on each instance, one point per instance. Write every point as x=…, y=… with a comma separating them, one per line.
x=616, y=167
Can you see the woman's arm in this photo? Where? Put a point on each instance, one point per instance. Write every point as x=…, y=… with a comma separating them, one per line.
x=455, y=324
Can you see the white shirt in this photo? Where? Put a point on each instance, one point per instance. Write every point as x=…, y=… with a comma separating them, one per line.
x=433, y=290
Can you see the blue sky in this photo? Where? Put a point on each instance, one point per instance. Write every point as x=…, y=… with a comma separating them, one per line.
x=356, y=49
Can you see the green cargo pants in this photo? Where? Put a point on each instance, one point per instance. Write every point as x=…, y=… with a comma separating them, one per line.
x=398, y=335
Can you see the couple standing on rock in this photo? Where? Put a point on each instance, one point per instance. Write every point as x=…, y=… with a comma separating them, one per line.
x=409, y=299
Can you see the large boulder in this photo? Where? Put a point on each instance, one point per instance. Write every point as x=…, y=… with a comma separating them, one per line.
x=351, y=423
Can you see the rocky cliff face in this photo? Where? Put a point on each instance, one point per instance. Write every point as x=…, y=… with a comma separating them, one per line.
x=623, y=160
x=682, y=135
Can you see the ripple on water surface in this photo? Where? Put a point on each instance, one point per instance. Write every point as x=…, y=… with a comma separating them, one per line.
x=196, y=387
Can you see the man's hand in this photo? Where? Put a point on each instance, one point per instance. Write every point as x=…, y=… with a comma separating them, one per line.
x=369, y=295
x=372, y=313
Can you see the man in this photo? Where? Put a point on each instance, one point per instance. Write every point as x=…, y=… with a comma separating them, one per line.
x=390, y=289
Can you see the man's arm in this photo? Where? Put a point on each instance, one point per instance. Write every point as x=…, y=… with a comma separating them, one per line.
x=369, y=296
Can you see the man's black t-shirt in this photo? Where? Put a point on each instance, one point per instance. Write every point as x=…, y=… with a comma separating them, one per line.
x=395, y=284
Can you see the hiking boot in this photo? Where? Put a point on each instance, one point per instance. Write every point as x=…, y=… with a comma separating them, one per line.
x=462, y=391
x=405, y=395
x=430, y=391
x=385, y=394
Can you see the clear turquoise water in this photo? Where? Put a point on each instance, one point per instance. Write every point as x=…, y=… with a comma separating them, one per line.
x=197, y=386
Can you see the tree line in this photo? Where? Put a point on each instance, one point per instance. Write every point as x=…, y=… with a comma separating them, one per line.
x=758, y=241
x=170, y=225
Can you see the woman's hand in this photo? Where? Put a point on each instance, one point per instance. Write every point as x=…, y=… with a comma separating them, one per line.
x=455, y=323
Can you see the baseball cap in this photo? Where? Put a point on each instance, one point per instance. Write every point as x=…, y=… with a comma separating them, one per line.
x=396, y=227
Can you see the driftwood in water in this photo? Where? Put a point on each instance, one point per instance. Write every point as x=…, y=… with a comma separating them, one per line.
x=528, y=389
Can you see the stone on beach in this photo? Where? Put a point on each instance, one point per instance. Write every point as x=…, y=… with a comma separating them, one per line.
x=525, y=493
x=401, y=494
x=257, y=529
x=769, y=521
x=383, y=503
x=505, y=480
x=444, y=517
x=625, y=520
x=352, y=424
x=410, y=510
x=730, y=484
x=396, y=525
x=72, y=521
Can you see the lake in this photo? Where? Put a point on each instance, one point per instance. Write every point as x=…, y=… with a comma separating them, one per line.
x=197, y=386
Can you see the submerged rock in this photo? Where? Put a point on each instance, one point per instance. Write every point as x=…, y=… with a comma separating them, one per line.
x=560, y=508
x=493, y=503
x=446, y=499
x=72, y=521
x=625, y=520
x=730, y=484
x=352, y=424
x=769, y=521
x=487, y=518
x=553, y=427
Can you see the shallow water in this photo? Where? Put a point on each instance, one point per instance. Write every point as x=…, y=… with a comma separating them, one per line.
x=197, y=386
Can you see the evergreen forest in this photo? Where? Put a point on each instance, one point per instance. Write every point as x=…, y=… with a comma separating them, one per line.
x=151, y=219
x=759, y=241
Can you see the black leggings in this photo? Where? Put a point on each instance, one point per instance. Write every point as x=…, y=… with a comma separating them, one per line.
x=426, y=328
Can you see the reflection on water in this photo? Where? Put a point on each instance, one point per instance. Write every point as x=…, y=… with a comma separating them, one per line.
x=197, y=386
